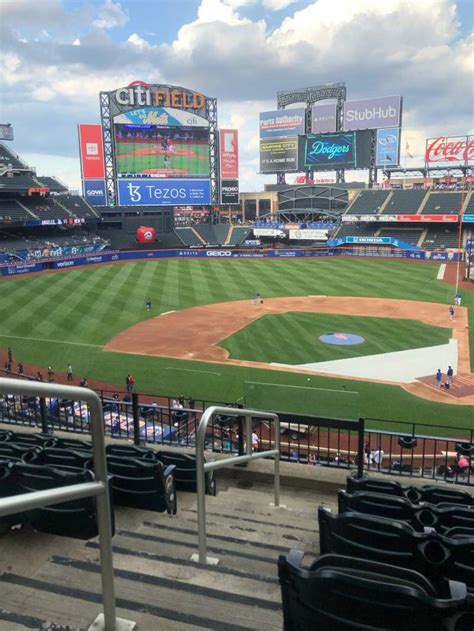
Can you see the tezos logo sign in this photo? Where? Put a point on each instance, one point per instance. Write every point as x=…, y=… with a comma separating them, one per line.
x=218, y=253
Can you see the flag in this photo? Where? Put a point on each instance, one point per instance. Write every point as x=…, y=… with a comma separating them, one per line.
x=407, y=149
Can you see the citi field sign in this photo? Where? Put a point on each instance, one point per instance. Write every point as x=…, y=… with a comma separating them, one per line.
x=141, y=94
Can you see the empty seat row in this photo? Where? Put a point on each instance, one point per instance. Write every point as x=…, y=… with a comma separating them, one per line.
x=429, y=493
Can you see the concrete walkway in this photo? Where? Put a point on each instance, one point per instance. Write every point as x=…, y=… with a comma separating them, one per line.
x=401, y=366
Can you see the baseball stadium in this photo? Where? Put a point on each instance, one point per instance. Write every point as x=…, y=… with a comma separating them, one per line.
x=159, y=326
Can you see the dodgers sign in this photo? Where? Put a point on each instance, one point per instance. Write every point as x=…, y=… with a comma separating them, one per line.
x=330, y=151
x=95, y=192
x=156, y=192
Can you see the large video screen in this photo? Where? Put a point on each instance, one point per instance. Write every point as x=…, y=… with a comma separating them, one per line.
x=330, y=151
x=168, y=152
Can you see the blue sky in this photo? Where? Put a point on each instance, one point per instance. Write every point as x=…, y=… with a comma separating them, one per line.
x=56, y=55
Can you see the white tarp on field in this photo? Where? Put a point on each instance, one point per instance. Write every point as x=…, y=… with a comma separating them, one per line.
x=401, y=366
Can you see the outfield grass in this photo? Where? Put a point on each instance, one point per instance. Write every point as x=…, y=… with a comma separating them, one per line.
x=52, y=319
x=293, y=338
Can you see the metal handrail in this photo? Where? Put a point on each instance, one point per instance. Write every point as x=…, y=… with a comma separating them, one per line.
x=203, y=466
x=99, y=488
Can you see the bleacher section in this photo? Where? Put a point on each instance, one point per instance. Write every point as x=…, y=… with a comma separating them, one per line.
x=10, y=210
x=368, y=203
x=239, y=234
x=77, y=205
x=213, y=234
x=18, y=183
x=356, y=230
x=409, y=235
x=440, y=238
x=442, y=204
x=8, y=157
x=404, y=202
x=188, y=237
x=53, y=184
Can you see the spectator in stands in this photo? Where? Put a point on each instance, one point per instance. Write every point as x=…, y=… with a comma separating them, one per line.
x=20, y=368
x=50, y=374
x=255, y=441
x=8, y=366
x=367, y=452
x=377, y=456
x=69, y=373
x=39, y=376
x=84, y=383
x=462, y=464
x=10, y=355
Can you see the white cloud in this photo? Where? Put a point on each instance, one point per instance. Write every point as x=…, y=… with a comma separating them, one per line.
x=76, y=42
x=277, y=5
x=136, y=40
x=111, y=15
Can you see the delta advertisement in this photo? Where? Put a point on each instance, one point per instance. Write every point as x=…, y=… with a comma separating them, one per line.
x=95, y=192
x=229, y=154
x=91, y=151
x=330, y=151
x=278, y=155
x=323, y=118
x=282, y=123
x=383, y=111
x=156, y=192
x=388, y=147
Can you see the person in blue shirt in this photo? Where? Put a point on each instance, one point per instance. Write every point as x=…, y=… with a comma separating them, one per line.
x=438, y=378
x=449, y=377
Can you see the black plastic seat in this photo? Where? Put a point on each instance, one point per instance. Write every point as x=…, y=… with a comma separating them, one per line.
x=339, y=593
x=53, y=457
x=185, y=472
x=131, y=451
x=18, y=452
x=374, y=485
x=38, y=439
x=442, y=495
x=388, y=506
x=142, y=484
x=452, y=517
x=76, y=518
x=7, y=489
x=72, y=443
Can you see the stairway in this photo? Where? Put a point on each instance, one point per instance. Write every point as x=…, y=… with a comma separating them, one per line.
x=56, y=580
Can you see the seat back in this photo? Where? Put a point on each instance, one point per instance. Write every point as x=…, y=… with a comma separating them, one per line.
x=439, y=495
x=186, y=471
x=453, y=517
x=131, y=451
x=141, y=484
x=18, y=452
x=54, y=457
x=40, y=440
x=387, y=506
x=77, y=518
x=342, y=593
x=71, y=443
x=374, y=485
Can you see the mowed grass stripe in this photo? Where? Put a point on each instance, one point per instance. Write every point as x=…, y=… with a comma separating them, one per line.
x=293, y=338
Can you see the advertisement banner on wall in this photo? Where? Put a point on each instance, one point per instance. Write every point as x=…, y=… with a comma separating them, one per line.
x=309, y=235
x=6, y=132
x=323, y=118
x=91, y=151
x=388, y=147
x=156, y=192
x=278, y=154
x=450, y=150
x=95, y=192
x=330, y=151
x=282, y=123
x=229, y=153
x=229, y=191
x=383, y=111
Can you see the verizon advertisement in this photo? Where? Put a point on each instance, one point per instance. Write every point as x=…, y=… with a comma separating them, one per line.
x=383, y=111
x=450, y=150
x=229, y=192
x=229, y=153
x=323, y=118
x=91, y=151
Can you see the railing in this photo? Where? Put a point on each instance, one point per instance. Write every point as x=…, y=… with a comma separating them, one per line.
x=107, y=621
x=202, y=466
x=315, y=441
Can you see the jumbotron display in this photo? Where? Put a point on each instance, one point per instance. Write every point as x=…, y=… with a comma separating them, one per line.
x=168, y=152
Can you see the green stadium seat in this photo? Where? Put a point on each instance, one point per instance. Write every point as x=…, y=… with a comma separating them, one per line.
x=60, y=458
x=185, y=472
x=341, y=593
x=131, y=451
x=71, y=443
x=41, y=440
x=18, y=452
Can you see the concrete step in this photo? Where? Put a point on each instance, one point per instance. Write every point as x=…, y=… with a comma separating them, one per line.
x=157, y=597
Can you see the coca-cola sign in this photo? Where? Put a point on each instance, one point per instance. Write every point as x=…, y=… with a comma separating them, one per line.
x=450, y=150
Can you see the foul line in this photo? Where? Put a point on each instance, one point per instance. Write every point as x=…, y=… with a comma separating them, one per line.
x=166, y=313
x=441, y=271
x=42, y=339
x=206, y=372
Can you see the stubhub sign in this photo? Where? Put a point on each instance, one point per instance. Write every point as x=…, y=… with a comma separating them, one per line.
x=95, y=192
x=156, y=192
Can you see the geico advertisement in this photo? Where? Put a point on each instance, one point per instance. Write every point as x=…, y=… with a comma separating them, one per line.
x=154, y=192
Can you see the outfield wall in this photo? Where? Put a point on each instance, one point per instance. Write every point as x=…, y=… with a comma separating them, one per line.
x=221, y=253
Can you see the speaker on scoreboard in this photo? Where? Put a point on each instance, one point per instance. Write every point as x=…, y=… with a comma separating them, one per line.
x=146, y=234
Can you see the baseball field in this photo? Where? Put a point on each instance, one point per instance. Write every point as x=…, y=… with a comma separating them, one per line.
x=89, y=317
